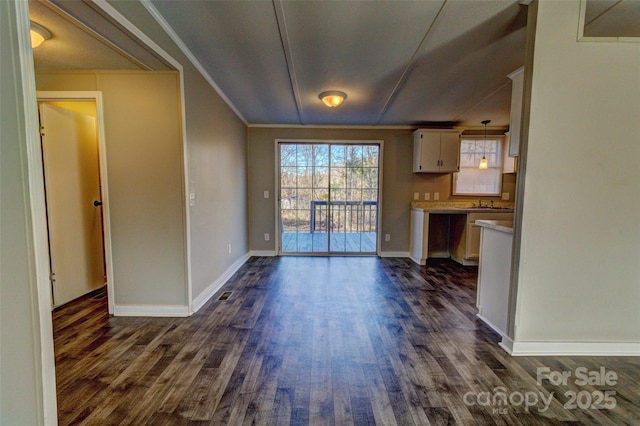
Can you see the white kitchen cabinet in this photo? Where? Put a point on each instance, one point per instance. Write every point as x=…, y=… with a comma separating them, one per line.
x=509, y=164
x=436, y=151
x=517, y=86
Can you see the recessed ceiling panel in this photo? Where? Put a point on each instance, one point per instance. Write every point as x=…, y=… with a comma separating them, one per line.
x=464, y=62
x=361, y=48
x=239, y=44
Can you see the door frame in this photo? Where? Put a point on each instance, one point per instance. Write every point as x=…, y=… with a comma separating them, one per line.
x=95, y=96
x=277, y=237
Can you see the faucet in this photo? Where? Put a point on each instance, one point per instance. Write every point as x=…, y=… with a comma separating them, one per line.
x=480, y=203
x=491, y=203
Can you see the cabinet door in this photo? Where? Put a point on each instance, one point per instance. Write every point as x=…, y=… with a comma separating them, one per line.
x=429, y=151
x=473, y=241
x=449, y=152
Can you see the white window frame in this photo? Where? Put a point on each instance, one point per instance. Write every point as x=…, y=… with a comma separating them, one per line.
x=499, y=166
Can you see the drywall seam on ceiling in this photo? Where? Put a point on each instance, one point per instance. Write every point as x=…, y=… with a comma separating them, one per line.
x=288, y=55
x=481, y=101
x=410, y=64
x=185, y=50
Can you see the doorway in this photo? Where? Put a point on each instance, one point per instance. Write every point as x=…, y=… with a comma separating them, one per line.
x=74, y=173
x=328, y=197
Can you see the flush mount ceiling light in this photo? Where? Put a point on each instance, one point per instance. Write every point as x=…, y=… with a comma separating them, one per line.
x=38, y=35
x=332, y=98
x=484, y=164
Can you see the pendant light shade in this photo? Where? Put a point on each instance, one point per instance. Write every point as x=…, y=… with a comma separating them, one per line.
x=484, y=164
x=333, y=98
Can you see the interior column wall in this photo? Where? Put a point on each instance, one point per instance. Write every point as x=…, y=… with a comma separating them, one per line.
x=217, y=168
x=579, y=275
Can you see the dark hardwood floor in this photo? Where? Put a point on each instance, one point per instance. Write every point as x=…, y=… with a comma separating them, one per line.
x=303, y=340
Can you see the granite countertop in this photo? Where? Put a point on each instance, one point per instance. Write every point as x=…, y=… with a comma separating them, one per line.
x=498, y=225
x=460, y=207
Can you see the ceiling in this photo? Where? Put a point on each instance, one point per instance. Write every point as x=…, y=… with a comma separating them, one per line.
x=419, y=63
x=400, y=63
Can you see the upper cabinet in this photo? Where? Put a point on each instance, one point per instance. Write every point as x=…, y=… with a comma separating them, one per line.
x=509, y=164
x=517, y=85
x=436, y=151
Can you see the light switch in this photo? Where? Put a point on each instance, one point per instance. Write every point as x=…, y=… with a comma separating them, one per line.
x=427, y=196
x=436, y=196
x=266, y=237
x=416, y=196
x=387, y=237
x=266, y=194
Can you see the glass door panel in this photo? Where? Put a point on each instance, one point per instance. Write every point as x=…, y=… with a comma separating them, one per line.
x=328, y=197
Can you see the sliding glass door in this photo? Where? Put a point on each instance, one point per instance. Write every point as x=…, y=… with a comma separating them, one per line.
x=328, y=197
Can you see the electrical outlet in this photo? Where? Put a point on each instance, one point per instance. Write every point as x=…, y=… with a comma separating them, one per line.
x=416, y=196
x=266, y=194
x=266, y=237
x=505, y=196
x=436, y=196
x=192, y=199
x=427, y=196
x=387, y=237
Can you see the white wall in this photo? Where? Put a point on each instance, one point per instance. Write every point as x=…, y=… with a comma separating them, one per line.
x=22, y=383
x=579, y=275
x=217, y=167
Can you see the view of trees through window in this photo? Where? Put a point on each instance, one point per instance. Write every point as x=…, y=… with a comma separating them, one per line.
x=328, y=197
x=471, y=180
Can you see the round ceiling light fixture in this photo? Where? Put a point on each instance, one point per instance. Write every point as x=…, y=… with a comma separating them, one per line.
x=38, y=34
x=333, y=98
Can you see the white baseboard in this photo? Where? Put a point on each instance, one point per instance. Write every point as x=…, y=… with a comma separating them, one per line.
x=417, y=260
x=507, y=344
x=213, y=288
x=570, y=348
x=263, y=253
x=151, y=311
x=401, y=254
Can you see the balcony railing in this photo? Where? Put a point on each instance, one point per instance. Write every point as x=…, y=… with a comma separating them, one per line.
x=343, y=216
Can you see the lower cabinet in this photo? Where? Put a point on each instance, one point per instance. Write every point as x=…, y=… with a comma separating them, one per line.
x=444, y=235
x=464, y=235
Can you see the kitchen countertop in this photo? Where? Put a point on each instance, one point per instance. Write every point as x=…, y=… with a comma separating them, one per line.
x=452, y=207
x=498, y=225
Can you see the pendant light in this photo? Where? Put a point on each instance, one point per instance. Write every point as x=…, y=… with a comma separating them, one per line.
x=484, y=164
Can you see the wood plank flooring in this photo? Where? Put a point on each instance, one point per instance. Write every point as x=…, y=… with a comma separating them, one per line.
x=335, y=341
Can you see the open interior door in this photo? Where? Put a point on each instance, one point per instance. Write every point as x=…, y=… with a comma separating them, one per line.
x=72, y=183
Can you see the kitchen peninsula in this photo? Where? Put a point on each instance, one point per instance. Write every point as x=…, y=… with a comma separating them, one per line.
x=449, y=229
x=494, y=273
